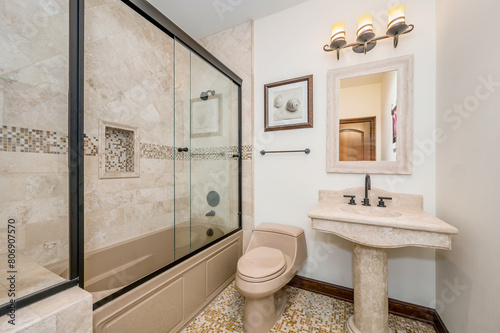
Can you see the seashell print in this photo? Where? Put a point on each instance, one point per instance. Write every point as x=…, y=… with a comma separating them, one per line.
x=278, y=101
x=293, y=104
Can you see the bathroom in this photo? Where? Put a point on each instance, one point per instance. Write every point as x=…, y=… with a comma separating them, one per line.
x=74, y=218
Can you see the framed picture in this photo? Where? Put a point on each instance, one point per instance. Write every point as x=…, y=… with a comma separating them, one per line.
x=206, y=116
x=288, y=104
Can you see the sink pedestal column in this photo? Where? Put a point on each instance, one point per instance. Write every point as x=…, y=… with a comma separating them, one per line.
x=371, y=309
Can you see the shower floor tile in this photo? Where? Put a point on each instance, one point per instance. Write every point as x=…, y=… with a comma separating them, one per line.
x=305, y=312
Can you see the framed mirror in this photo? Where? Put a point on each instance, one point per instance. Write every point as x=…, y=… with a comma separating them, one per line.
x=370, y=117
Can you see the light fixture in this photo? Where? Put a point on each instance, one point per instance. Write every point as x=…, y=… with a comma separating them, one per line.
x=366, y=39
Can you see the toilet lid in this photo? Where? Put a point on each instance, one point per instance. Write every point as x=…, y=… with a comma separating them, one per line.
x=262, y=264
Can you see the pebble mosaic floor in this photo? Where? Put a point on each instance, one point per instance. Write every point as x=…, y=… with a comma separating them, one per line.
x=305, y=312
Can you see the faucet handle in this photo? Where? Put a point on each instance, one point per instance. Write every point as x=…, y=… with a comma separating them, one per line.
x=351, y=202
x=381, y=203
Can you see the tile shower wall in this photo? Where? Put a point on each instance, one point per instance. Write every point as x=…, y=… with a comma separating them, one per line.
x=234, y=47
x=33, y=121
x=129, y=81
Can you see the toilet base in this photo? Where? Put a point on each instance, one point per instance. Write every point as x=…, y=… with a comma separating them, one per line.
x=260, y=315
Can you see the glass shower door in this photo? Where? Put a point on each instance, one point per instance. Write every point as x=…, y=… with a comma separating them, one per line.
x=206, y=148
x=214, y=152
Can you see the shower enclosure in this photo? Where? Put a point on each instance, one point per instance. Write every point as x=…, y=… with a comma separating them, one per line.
x=152, y=148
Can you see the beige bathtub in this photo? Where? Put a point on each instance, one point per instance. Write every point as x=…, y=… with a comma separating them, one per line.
x=116, y=266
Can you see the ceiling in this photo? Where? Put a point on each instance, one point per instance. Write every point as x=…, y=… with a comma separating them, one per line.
x=202, y=18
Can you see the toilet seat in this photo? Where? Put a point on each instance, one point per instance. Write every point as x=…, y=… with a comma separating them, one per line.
x=261, y=264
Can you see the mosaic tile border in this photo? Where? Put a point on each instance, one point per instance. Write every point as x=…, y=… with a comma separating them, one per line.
x=25, y=140
x=157, y=152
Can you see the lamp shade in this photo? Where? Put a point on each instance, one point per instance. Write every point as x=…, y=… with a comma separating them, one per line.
x=365, y=24
x=338, y=31
x=396, y=16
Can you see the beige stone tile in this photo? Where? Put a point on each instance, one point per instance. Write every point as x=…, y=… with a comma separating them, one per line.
x=99, y=56
x=13, y=187
x=49, y=115
x=156, y=166
x=46, y=232
x=139, y=213
x=77, y=318
x=45, y=325
x=128, y=44
x=149, y=180
x=102, y=200
x=150, y=195
x=161, y=208
x=46, y=253
x=28, y=163
x=47, y=39
x=12, y=57
x=102, y=219
x=30, y=277
x=25, y=318
x=91, y=165
x=93, y=184
x=46, y=186
x=33, y=211
x=100, y=23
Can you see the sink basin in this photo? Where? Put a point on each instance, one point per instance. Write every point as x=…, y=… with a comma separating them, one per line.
x=402, y=223
x=373, y=230
x=370, y=211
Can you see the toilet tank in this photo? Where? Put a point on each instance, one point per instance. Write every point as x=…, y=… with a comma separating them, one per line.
x=288, y=239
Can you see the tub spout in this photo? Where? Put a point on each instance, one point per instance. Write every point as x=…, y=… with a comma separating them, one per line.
x=210, y=213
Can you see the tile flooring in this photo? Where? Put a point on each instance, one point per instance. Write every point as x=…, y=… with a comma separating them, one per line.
x=305, y=312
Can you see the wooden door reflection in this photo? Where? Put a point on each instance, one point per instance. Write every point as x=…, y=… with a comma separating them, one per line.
x=357, y=139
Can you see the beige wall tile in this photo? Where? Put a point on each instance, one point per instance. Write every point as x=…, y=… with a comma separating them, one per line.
x=46, y=186
x=12, y=187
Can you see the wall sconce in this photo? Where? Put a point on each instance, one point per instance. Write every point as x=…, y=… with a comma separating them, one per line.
x=366, y=39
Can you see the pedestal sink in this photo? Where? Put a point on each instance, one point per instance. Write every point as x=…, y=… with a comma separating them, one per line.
x=373, y=230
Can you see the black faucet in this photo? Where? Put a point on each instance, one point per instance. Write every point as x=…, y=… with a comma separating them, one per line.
x=368, y=186
x=210, y=213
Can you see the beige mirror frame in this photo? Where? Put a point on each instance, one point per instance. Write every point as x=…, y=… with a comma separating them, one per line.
x=404, y=145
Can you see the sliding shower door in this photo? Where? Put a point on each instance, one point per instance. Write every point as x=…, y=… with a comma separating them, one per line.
x=206, y=148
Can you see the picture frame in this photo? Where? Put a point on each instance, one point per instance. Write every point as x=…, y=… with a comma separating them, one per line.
x=288, y=104
x=206, y=116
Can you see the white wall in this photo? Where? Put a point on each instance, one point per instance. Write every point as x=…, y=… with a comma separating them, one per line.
x=468, y=164
x=289, y=44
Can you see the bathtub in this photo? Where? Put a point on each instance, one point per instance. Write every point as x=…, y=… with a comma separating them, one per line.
x=111, y=268
x=170, y=300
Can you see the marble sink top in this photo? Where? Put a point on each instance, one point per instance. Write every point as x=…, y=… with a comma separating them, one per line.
x=370, y=211
x=402, y=223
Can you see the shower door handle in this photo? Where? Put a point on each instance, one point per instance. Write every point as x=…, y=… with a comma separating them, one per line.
x=182, y=149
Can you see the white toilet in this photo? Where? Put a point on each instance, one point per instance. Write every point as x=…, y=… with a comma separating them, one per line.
x=275, y=254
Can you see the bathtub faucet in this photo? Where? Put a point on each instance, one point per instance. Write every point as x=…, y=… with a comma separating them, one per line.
x=210, y=213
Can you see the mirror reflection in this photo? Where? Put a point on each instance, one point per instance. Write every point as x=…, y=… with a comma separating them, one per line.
x=368, y=117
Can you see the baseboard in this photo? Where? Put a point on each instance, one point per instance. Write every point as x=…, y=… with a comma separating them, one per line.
x=439, y=324
x=396, y=307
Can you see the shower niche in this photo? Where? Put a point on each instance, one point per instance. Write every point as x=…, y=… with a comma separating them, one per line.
x=119, y=154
